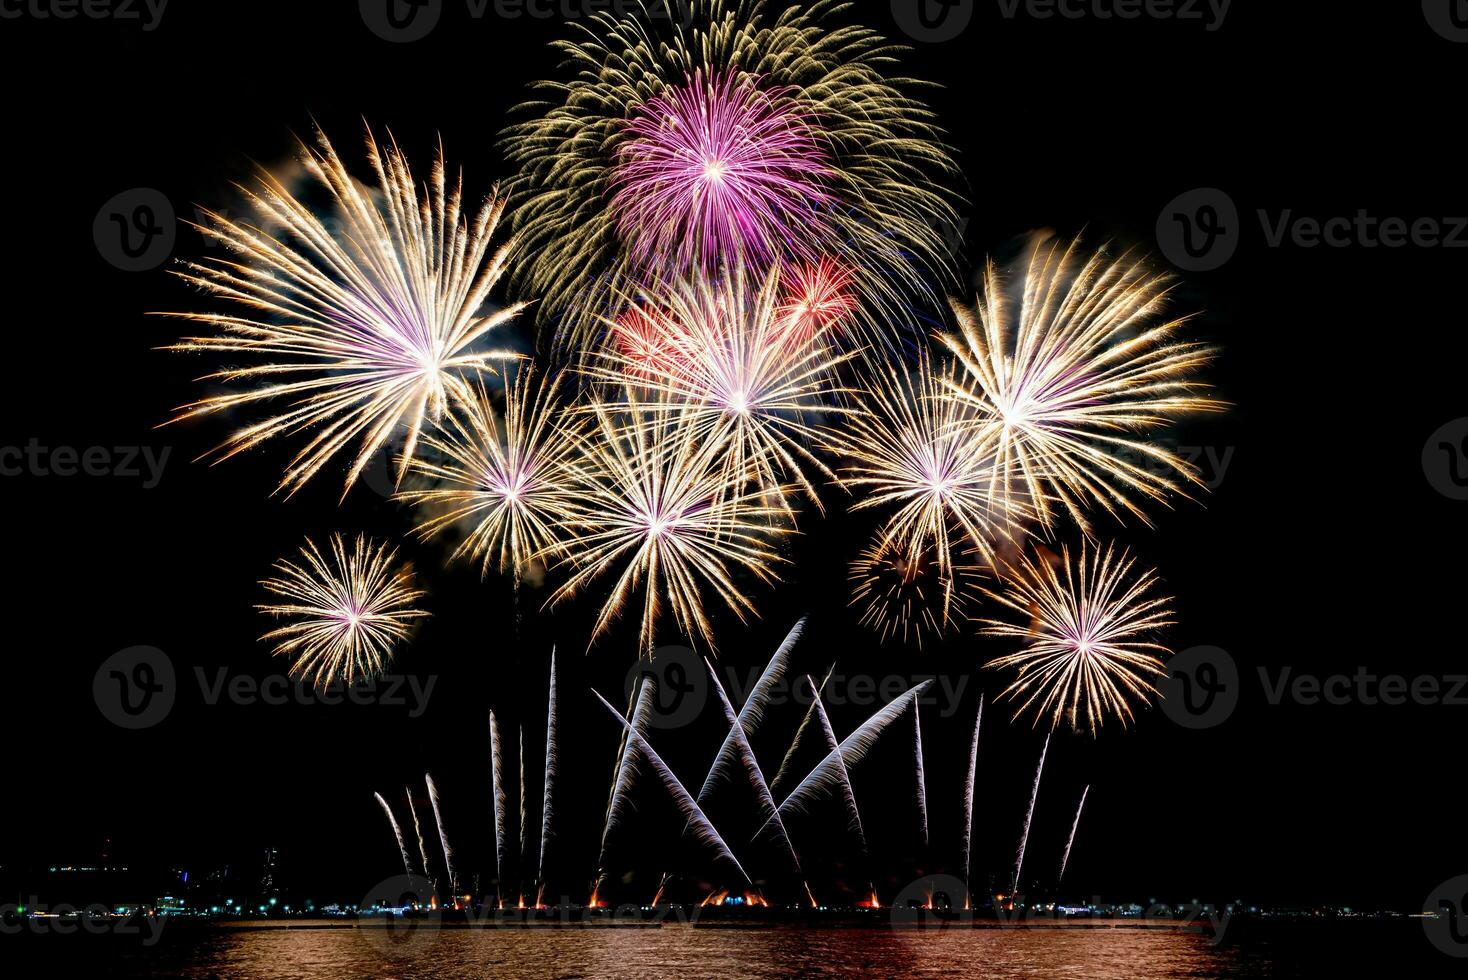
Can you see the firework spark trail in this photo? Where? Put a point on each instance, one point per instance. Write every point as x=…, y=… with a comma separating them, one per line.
x=810, y=716
x=832, y=769
x=501, y=817
x=547, y=809
x=922, y=781
x=1085, y=654
x=422, y=844
x=505, y=475
x=753, y=133
x=1024, y=837
x=704, y=831
x=817, y=298
x=524, y=856
x=968, y=804
x=626, y=776
x=752, y=713
x=745, y=754
x=1070, y=841
x=1064, y=384
x=654, y=498
x=364, y=330
x=915, y=451
x=397, y=833
x=347, y=609
x=843, y=778
x=742, y=375
x=443, y=839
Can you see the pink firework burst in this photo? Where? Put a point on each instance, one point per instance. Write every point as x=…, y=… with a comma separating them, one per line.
x=648, y=344
x=718, y=169
x=816, y=297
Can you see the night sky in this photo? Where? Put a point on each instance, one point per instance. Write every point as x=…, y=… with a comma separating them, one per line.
x=1324, y=548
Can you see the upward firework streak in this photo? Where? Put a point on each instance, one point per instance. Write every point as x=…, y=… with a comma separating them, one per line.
x=397, y=833
x=346, y=611
x=366, y=326
x=747, y=134
x=443, y=839
x=742, y=374
x=922, y=779
x=1024, y=837
x=506, y=476
x=702, y=828
x=547, y=810
x=524, y=819
x=501, y=823
x=422, y=844
x=1084, y=656
x=1064, y=384
x=968, y=805
x=1070, y=841
x=655, y=501
x=785, y=771
x=625, y=778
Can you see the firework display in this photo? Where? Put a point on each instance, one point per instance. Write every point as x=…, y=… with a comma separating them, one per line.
x=1065, y=368
x=751, y=132
x=731, y=227
x=1085, y=656
x=367, y=322
x=348, y=609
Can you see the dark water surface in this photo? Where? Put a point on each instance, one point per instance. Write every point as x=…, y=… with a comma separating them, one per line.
x=1296, y=950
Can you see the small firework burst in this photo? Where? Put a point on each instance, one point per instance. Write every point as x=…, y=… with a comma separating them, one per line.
x=816, y=298
x=1065, y=382
x=907, y=597
x=739, y=375
x=348, y=609
x=647, y=344
x=655, y=501
x=1085, y=629
x=507, y=475
x=749, y=133
x=913, y=449
x=368, y=321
